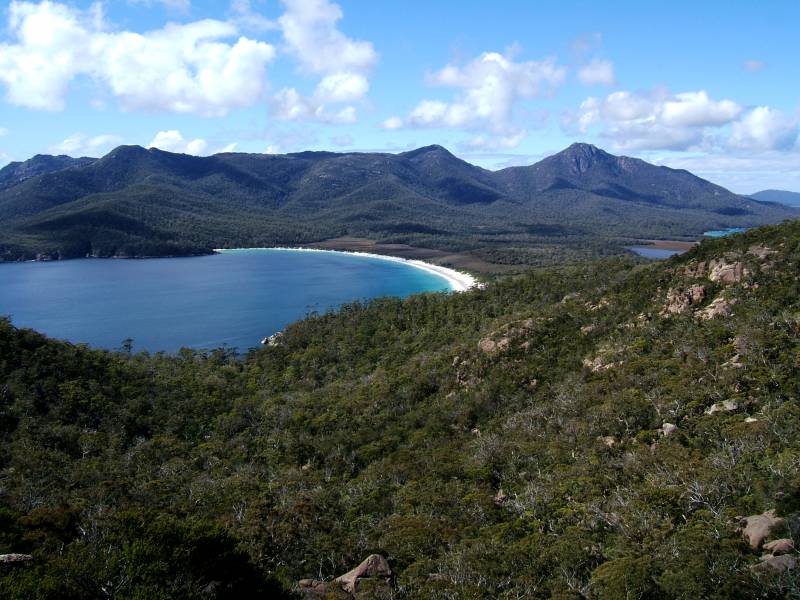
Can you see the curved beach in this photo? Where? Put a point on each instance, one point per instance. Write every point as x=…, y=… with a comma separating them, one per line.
x=457, y=280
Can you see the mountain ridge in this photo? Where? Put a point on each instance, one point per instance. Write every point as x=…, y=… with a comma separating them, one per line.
x=144, y=202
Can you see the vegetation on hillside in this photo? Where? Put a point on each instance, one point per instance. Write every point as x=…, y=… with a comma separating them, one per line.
x=510, y=442
x=579, y=203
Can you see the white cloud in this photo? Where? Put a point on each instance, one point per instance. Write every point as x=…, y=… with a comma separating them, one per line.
x=245, y=16
x=481, y=142
x=311, y=36
x=392, y=123
x=597, y=72
x=309, y=28
x=173, y=141
x=181, y=68
x=291, y=105
x=342, y=87
x=488, y=87
x=764, y=128
x=654, y=120
x=229, y=148
x=745, y=173
x=80, y=144
x=754, y=65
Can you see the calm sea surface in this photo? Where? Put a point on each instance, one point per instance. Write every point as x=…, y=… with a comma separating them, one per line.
x=235, y=298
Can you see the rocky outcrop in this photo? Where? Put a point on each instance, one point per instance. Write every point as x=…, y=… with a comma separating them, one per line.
x=770, y=564
x=679, y=300
x=490, y=346
x=14, y=559
x=511, y=333
x=755, y=529
x=724, y=406
x=667, y=429
x=373, y=577
x=781, y=546
x=724, y=272
x=760, y=251
x=719, y=307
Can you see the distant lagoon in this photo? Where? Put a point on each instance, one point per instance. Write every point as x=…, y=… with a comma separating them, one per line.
x=235, y=298
x=654, y=253
x=718, y=233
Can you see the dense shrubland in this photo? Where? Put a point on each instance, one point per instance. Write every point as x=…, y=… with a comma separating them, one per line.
x=501, y=443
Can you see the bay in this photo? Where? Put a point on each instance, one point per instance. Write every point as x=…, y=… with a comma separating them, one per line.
x=233, y=299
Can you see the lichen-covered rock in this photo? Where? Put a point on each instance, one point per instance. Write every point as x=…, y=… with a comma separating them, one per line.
x=608, y=440
x=719, y=307
x=15, y=559
x=724, y=272
x=374, y=566
x=756, y=529
x=761, y=251
x=724, y=406
x=781, y=546
x=775, y=564
x=373, y=577
x=679, y=300
x=490, y=346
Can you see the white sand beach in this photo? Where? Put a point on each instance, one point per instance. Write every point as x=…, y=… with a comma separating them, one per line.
x=457, y=280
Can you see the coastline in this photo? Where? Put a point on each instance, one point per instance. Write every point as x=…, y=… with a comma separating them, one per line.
x=457, y=280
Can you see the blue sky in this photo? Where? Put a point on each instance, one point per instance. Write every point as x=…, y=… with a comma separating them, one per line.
x=708, y=86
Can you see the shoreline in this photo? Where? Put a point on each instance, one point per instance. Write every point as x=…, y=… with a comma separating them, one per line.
x=457, y=280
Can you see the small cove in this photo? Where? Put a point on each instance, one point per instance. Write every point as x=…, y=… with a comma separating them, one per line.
x=231, y=299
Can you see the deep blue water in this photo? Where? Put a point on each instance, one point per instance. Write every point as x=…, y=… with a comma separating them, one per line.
x=716, y=233
x=235, y=298
x=650, y=252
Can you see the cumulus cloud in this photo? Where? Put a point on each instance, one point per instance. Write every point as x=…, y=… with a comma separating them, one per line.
x=80, y=144
x=754, y=65
x=746, y=172
x=309, y=29
x=657, y=119
x=245, y=16
x=488, y=88
x=392, y=123
x=173, y=141
x=501, y=142
x=186, y=68
x=764, y=128
x=290, y=105
x=312, y=37
x=597, y=72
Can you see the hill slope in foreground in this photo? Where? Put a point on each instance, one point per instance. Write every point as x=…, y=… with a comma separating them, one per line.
x=558, y=434
x=582, y=201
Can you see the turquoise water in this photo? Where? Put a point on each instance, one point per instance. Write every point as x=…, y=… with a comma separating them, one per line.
x=235, y=298
x=716, y=233
x=650, y=252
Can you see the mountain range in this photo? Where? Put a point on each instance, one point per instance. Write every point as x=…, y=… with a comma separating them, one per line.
x=782, y=196
x=147, y=202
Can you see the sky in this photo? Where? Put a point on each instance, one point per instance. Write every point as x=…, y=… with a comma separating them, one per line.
x=712, y=87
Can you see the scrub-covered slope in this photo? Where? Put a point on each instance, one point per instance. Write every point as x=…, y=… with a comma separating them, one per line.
x=606, y=431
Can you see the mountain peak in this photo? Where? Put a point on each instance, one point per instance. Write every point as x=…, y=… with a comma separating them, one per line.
x=432, y=150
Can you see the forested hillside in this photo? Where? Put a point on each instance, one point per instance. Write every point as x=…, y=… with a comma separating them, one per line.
x=580, y=203
x=598, y=431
